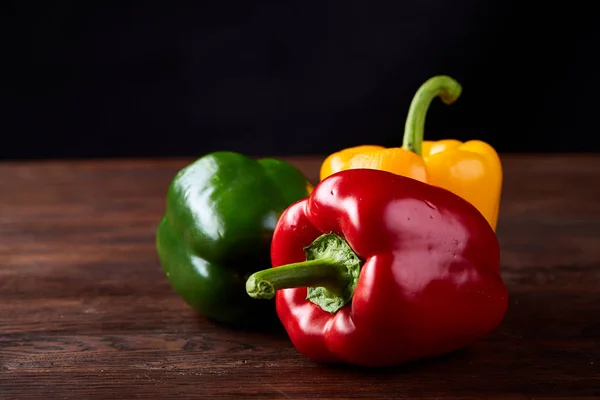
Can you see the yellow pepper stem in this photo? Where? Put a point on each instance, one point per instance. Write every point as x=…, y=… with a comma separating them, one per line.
x=443, y=86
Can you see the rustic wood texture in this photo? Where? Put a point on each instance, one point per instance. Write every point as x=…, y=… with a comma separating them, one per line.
x=86, y=312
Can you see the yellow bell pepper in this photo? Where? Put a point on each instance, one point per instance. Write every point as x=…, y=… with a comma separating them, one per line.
x=472, y=169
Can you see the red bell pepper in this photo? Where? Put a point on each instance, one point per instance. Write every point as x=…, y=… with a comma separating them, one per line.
x=376, y=269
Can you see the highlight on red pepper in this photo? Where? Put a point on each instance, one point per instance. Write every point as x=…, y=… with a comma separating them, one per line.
x=375, y=269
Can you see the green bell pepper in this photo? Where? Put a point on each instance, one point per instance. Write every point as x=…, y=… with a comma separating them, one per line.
x=220, y=215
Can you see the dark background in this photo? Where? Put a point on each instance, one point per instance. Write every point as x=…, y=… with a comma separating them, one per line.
x=267, y=77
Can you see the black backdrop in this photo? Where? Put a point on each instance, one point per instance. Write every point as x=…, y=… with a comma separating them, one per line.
x=267, y=77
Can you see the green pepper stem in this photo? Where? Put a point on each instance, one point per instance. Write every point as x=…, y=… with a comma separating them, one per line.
x=443, y=86
x=321, y=272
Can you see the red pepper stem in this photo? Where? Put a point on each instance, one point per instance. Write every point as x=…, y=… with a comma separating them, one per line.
x=321, y=272
x=443, y=86
x=330, y=274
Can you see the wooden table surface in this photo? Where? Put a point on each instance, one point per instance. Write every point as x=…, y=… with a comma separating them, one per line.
x=86, y=311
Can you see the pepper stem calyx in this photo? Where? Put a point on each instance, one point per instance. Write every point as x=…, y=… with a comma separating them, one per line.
x=330, y=273
x=442, y=86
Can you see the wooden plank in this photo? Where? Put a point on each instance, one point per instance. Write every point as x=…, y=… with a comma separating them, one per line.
x=86, y=311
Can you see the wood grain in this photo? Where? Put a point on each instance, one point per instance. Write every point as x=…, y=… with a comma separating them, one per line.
x=86, y=312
